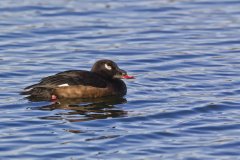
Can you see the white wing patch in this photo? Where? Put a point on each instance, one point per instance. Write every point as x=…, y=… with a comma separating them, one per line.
x=28, y=89
x=108, y=67
x=63, y=85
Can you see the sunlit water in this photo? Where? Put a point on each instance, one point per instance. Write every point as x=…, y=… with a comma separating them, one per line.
x=184, y=103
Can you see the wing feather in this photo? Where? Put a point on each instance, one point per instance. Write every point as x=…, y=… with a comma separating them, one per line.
x=72, y=77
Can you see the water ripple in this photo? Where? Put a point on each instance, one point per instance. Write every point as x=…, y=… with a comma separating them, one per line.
x=182, y=105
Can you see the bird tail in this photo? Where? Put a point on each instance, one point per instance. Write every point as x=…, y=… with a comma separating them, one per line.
x=38, y=92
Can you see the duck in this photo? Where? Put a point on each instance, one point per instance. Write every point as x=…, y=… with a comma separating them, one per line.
x=104, y=79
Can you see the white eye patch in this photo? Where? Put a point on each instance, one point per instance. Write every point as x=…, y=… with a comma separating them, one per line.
x=108, y=67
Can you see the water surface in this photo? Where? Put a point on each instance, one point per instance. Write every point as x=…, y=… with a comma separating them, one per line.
x=184, y=103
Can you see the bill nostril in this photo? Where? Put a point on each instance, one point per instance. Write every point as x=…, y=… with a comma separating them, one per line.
x=122, y=72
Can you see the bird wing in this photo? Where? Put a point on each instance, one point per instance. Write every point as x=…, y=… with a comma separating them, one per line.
x=70, y=78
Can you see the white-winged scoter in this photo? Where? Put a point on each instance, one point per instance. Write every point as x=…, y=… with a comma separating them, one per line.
x=103, y=80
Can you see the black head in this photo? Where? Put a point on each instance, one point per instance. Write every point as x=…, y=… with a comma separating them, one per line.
x=108, y=69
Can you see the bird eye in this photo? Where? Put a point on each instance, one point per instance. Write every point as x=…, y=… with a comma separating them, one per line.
x=108, y=67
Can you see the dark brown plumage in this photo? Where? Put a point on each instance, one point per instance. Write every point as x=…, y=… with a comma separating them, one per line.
x=104, y=79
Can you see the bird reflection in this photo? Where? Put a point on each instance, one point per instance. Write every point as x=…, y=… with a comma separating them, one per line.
x=77, y=110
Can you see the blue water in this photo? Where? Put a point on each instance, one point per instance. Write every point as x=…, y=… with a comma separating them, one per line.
x=183, y=105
